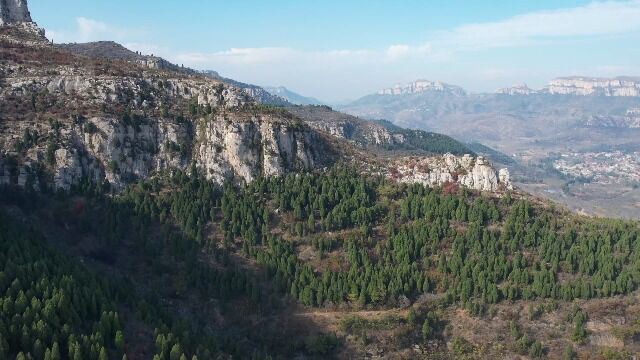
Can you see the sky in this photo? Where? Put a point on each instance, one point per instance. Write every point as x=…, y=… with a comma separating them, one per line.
x=339, y=50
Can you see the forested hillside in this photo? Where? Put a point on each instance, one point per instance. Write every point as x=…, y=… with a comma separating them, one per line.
x=336, y=240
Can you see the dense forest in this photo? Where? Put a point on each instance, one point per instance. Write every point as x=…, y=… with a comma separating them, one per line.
x=378, y=244
x=421, y=140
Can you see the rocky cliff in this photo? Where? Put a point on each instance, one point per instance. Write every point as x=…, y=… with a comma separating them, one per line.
x=468, y=171
x=14, y=12
x=620, y=86
x=70, y=119
x=420, y=86
x=521, y=89
x=582, y=86
x=259, y=94
x=106, y=150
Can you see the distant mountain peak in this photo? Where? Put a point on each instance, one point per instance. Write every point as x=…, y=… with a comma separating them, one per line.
x=15, y=14
x=422, y=85
x=582, y=86
x=585, y=86
x=518, y=89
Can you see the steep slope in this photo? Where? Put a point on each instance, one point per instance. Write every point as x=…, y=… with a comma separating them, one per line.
x=14, y=12
x=66, y=118
x=362, y=256
x=423, y=86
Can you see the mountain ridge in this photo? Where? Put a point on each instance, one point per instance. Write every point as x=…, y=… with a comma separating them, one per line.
x=134, y=120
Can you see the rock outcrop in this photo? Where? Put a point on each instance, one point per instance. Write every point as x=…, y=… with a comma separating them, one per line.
x=420, y=86
x=247, y=148
x=104, y=150
x=620, y=86
x=97, y=90
x=582, y=86
x=468, y=171
x=14, y=12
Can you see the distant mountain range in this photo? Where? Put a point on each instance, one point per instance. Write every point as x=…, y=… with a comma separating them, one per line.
x=570, y=113
x=572, y=85
x=582, y=86
x=421, y=86
x=565, y=102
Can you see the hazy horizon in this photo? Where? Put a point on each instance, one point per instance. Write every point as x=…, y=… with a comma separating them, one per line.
x=335, y=51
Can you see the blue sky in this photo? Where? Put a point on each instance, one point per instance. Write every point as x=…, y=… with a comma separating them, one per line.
x=337, y=50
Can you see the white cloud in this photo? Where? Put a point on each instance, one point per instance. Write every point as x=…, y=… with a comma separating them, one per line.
x=595, y=19
x=398, y=51
x=240, y=56
x=87, y=30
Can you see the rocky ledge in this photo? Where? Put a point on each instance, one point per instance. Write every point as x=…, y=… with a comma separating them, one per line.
x=467, y=171
x=582, y=86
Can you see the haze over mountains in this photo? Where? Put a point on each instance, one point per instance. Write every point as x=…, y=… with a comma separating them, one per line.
x=572, y=117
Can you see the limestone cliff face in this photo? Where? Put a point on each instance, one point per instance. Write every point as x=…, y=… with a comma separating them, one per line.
x=595, y=86
x=467, y=171
x=247, y=148
x=105, y=150
x=14, y=15
x=14, y=12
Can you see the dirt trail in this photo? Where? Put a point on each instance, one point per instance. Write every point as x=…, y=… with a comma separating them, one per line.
x=363, y=313
x=330, y=320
